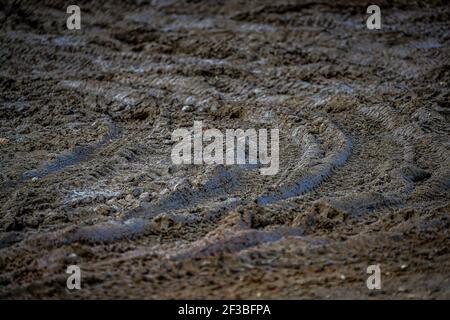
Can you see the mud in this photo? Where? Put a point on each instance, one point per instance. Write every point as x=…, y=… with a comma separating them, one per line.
x=87, y=179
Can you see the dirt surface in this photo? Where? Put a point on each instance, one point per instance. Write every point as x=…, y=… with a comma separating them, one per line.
x=86, y=175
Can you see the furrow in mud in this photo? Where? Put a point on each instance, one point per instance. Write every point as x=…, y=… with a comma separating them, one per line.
x=316, y=174
x=222, y=182
x=80, y=154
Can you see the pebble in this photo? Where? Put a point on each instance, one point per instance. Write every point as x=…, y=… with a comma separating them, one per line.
x=187, y=108
x=144, y=197
x=189, y=101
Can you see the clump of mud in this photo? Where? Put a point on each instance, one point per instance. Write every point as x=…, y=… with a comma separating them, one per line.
x=86, y=176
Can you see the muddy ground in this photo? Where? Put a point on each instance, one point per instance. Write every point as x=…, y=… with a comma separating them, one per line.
x=86, y=176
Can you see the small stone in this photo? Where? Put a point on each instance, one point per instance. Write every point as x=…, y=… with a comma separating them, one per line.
x=71, y=257
x=186, y=108
x=189, y=101
x=144, y=197
x=342, y=277
x=34, y=179
x=403, y=266
x=3, y=141
x=129, y=198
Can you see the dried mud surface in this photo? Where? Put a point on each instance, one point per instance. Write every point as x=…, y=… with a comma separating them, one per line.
x=86, y=176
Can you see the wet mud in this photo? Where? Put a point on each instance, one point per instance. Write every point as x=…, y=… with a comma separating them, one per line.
x=86, y=172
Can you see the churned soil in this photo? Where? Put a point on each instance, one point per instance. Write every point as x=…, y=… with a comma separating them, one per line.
x=86, y=175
